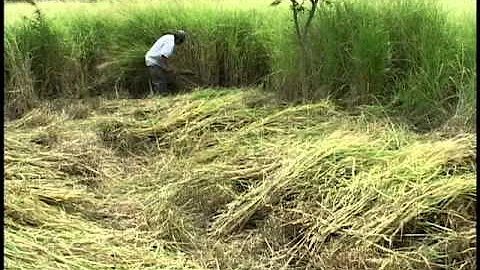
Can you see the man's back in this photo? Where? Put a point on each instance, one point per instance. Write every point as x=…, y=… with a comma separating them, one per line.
x=165, y=46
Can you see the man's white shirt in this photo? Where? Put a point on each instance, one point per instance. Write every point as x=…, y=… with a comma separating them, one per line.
x=165, y=46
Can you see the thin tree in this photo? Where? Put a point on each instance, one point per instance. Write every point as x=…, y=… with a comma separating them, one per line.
x=302, y=31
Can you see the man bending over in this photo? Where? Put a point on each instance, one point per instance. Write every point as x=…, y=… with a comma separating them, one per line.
x=158, y=57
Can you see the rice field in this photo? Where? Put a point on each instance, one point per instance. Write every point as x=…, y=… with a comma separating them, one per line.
x=366, y=161
x=233, y=179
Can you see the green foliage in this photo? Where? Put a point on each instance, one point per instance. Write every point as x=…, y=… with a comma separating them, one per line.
x=390, y=52
x=43, y=44
x=358, y=52
x=18, y=91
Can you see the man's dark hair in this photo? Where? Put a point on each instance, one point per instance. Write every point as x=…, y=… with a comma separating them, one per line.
x=180, y=36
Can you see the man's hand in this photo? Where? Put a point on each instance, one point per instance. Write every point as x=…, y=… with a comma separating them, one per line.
x=172, y=70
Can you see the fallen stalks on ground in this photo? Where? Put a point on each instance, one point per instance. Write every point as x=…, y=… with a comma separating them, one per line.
x=215, y=180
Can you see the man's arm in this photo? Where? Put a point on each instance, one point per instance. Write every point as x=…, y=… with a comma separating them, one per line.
x=164, y=63
x=167, y=52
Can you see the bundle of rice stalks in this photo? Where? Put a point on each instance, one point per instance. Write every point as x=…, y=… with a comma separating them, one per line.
x=59, y=213
x=37, y=117
x=342, y=190
x=53, y=177
x=77, y=244
x=187, y=125
x=27, y=160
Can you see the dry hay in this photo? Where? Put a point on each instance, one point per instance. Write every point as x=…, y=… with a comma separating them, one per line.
x=238, y=185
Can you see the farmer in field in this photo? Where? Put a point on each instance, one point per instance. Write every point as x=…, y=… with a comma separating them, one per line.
x=158, y=58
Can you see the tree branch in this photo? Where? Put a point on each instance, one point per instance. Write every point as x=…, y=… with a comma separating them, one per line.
x=295, y=19
x=310, y=17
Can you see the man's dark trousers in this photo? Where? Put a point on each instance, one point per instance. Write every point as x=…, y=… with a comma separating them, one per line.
x=159, y=79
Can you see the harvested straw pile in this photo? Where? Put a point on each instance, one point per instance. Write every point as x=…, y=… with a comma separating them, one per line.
x=237, y=184
x=58, y=212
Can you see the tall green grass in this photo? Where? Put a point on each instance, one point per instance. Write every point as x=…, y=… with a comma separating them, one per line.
x=225, y=50
x=409, y=52
x=416, y=57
